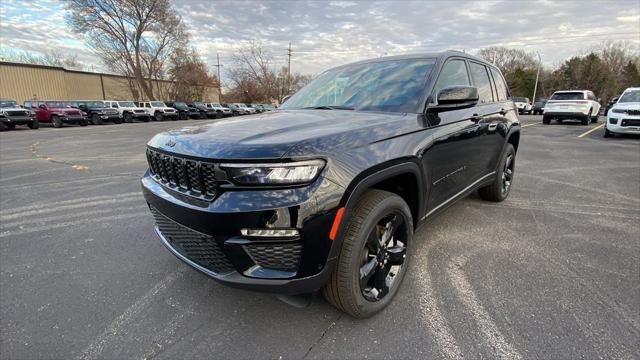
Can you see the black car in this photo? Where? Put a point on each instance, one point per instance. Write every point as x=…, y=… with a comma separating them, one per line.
x=235, y=111
x=203, y=111
x=538, y=106
x=97, y=112
x=12, y=114
x=325, y=194
x=184, y=111
x=612, y=101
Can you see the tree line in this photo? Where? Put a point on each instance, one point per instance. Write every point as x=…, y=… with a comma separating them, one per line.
x=606, y=70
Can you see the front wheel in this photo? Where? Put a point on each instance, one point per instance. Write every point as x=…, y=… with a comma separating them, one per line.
x=35, y=124
x=500, y=188
x=55, y=120
x=546, y=120
x=96, y=120
x=607, y=133
x=159, y=116
x=127, y=117
x=373, y=257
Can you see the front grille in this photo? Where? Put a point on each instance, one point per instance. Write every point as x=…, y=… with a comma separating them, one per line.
x=284, y=257
x=200, y=248
x=633, y=112
x=193, y=177
x=17, y=113
x=630, y=122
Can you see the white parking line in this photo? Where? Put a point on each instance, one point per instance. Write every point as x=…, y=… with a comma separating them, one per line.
x=590, y=131
x=524, y=126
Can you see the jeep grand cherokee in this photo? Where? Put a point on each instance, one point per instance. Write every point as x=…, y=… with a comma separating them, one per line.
x=325, y=193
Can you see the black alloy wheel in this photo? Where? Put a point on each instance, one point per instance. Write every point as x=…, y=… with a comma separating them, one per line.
x=383, y=256
x=55, y=120
x=500, y=187
x=158, y=116
x=128, y=118
x=35, y=124
x=507, y=173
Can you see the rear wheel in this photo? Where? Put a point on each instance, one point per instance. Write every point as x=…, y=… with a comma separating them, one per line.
x=55, y=120
x=499, y=189
x=95, y=119
x=35, y=124
x=373, y=258
x=546, y=120
x=585, y=120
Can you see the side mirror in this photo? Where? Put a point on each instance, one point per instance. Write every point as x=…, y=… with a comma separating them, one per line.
x=455, y=97
x=41, y=106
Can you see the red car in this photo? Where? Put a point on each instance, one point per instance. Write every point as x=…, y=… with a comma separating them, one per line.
x=56, y=112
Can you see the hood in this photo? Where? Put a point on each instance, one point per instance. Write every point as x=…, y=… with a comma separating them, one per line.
x=627, y=106
x=278, y=133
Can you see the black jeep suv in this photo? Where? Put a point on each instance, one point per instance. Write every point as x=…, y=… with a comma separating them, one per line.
x=97, y=112
x=184, y=111
x=203, y=110
x=326, y=192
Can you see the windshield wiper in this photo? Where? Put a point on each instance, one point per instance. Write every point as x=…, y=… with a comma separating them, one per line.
x=325, y=107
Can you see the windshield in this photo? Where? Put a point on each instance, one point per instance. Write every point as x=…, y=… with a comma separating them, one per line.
x=180, y=105
x=94, y=104
x=392, y=85
x=158, y=104
x=126, y=104
x=56, y=104
x=8, y=103
x=568, y=96
x=198, y=104
x=215, y=105
x=630, y=96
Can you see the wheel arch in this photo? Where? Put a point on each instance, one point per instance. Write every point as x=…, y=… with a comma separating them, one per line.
x=514, y=139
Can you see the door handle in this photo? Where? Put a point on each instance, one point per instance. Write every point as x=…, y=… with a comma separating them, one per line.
x=503, y=111
x=476, y=118
x=492, y=127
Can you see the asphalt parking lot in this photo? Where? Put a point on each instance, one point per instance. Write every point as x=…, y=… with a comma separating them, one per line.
x=553, y=272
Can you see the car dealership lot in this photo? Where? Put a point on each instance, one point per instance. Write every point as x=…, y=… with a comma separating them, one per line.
x=552, y=272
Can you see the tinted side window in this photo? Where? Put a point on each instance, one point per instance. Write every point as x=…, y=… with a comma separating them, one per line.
x=27, y=104
x=482, y=82
x=454, y=73
x=501, y=87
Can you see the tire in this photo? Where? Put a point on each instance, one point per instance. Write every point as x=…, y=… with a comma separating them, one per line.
x=95, y=119
x=3, y=127
x=344, y=289
x=55, y=120
x=11, y=126
x=182, y=116
x=546, y=120
x=158, y=116
x=587, y=119
x=607, y=133
x=35, y=124
x=84, y=122
x=594, y=120
x=127, y=117
x=501, y=186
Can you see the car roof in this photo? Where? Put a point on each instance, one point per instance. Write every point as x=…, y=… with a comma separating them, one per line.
x=567, y=91
x=443, y=55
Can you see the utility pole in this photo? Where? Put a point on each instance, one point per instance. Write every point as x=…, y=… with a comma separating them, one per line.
x=535, y=87
x=219, y=80
x=289, y=70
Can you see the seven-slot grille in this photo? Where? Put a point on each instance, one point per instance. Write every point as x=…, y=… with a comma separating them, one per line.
x=630, y=122
x=16, y=113
x=191, y=176
x=197, y=247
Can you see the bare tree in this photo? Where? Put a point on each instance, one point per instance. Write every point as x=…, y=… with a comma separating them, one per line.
x=189, y=76
x=50, y=58
x=508, y=59
x=133, y=37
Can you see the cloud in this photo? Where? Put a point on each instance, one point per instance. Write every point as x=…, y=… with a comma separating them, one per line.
x=327, y=34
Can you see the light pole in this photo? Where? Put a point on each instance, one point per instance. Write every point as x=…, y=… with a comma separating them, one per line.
x=535, y=87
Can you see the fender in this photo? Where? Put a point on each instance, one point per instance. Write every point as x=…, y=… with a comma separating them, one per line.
x=364, y=181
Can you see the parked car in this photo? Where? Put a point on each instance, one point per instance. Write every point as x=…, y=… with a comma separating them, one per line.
x=624, y=116
x=572, y=104
x=610, y=103
x=56, y=112
x=220, y=110
x=326, y=192
x=97, y=112
x=247, y=109
x=184, y=111
x=523, y=104
x=11, y=114
x=128, y=110
x=538, y=106
x=204, y=111
x=158, y=110
x=235, y=109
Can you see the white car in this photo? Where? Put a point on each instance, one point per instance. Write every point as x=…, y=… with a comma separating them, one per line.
x=572, y=104
x=624, y=116
x=128, y=110
x=158, y=110
x=246, y=109
x=220, y=110
x=523, y=104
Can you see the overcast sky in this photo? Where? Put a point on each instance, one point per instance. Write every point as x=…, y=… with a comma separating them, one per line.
x=328, y=33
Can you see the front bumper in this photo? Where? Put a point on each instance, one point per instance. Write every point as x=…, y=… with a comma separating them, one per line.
x=206, y=235
x=623, y=124
x=17, y=120
x=73, y=119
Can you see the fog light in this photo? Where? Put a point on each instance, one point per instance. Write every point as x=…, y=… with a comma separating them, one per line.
x=613, y=121
x=269, y=232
